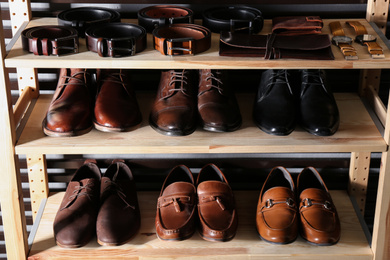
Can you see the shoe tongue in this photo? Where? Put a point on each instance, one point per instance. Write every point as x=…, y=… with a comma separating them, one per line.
x=179, y=187
x=314, y=194
x=213, y=186
x=276, y=193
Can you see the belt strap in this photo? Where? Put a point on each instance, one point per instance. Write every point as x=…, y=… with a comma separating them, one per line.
x=159, y=15
x=116, y=39
x=178, y=39
x=50, y=40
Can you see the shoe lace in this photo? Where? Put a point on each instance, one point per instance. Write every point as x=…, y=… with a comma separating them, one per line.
x=117, y=77
x=76, y=80
x=214, y=79
x=312, y=78
x=80, y=190
x=181, y=79
x=281, y=76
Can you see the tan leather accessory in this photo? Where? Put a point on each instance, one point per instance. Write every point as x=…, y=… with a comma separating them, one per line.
x=366, y=39
x=342, y=41
x=179, y=39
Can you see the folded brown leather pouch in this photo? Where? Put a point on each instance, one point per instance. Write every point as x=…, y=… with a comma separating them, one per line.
x=296, y=25
x=274, y=46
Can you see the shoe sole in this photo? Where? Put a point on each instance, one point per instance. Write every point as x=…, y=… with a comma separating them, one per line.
x=226, y=239
x=221, y=129
x=49, y=132
x=115, y=129
x=175, y=239
x=171, y=133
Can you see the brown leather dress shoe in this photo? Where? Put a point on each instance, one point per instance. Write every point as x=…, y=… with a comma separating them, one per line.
x=174, y=109
x=216, y=205
x=320, y=224
x=75, y=222
x=119, y=218
x=70, y=111
x=276, y=218
x=217, y=104
x=175, y=218
x=116, y=106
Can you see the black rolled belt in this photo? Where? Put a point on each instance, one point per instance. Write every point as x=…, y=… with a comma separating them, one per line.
x=233, y=18
x=83, y=17
x=116, y=39
x=50, y=40
x=155, y=16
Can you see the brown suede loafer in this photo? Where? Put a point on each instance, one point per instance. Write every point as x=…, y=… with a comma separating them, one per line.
x=75, y=222
x=216, y=205
x=118, y=220
x=320, y=224
x=175, y=218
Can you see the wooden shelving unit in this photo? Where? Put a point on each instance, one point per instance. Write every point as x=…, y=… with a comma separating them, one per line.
x=22, y=134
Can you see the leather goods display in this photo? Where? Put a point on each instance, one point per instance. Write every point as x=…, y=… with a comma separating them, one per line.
x=233, y=18
x=50, y=40
x=297, y=25
x=75, y=221
x=218, y=219
x=174, y=109
x=116, y=107
x=115, y=39
x=217, y=105
x=118, y=220
x=70, y=110
x=342, y=41
x=275, y=46
x=176, y=206
x=83, y=17
x=320, y=224
x=276, y=216
x=155, y=16
x=179, y=39
x=366, y=39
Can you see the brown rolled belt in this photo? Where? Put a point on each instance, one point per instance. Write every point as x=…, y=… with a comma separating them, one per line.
x=50, y=40
x=116, y=39
x=179, y=39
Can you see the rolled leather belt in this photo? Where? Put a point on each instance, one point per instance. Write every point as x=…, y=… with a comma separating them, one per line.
x=116, y=39
x=50, y=40
x=159, y=15
x=179, y=39
x=83, y=17
x=233, y=18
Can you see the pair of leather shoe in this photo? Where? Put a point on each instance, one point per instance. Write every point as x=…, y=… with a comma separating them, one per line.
x=74, y=108
x=181, y=97
x=279, y=216
x=105, y=206
x=277, y=108
x=180, y=201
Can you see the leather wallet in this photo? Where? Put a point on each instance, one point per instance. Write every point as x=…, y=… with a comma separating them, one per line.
x=297, y=25
x=274, y=46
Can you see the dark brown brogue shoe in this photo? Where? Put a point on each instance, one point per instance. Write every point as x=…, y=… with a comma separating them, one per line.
x=174, y=110
x=320, y=224
x=276, y=216
x=75, y=222
x=216, y=205
x=217, y=104
x=176, y=206
x=116, y=106
x=70, y=111
x=119, y=218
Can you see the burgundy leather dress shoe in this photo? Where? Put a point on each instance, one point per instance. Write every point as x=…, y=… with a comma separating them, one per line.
x=176, y=206
x=276, y=217
x=320, y=224
x=70, y=111
x=75, y=222
x=174, y=110
x=216, y=205
x=217, y=104
x=116, y=106
x=118, y=220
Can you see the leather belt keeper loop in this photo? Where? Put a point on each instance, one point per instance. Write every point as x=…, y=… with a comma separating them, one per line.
x=160, y=15
x=179, y=39
x=50, y=40
x=116, y=39
x=233, y=18
x=83, y=17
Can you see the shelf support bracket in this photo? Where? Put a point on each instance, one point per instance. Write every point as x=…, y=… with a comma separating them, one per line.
x=358, y=177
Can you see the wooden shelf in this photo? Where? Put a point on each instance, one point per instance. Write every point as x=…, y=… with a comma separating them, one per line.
x=246, y=245
x=152, y=59
x=357, y=132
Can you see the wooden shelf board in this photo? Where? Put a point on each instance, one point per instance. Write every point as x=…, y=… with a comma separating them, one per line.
x=246, y=244
x=152, y=59
x=357, y=132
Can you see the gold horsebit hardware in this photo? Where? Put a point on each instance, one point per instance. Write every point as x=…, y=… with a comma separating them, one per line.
x=270, y=203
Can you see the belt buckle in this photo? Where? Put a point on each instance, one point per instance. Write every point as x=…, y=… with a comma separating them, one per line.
x=170, y=49
x=57, y=46
x=116, y=47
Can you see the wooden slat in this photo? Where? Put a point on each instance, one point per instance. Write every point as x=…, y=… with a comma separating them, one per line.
x=22, y=104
